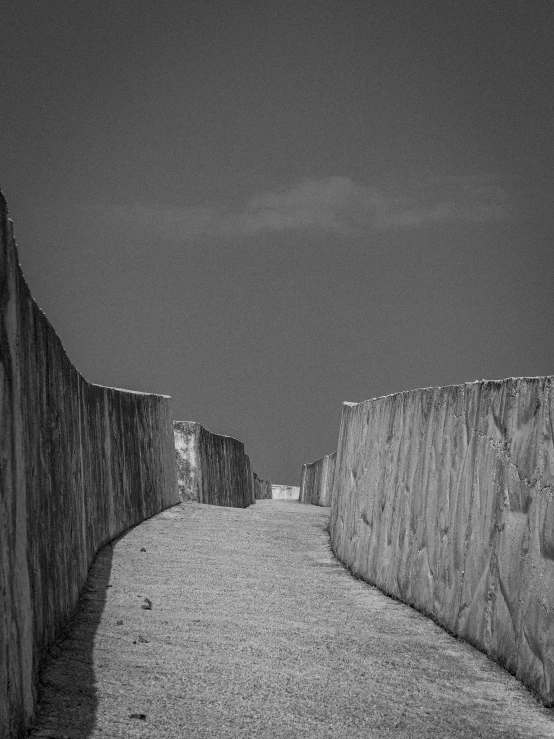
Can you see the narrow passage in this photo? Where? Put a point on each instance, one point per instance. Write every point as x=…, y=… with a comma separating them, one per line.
x=222, y=622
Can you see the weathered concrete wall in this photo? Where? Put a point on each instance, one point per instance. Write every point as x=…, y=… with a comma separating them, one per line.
x=186, y=436
x=251, y=480
x=316, y=486
x=211, y=468
x=262, y=488
x=79, y=464
x=285, y=492
x=444, y=498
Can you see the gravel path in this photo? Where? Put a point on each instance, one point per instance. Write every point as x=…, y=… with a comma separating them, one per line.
x=255, y=630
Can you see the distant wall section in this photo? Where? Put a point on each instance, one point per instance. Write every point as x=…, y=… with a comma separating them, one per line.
x=316, y=486
x=79, y=464
x=211, y=468
x=285, y=492
x=262, y=488
x=444, y=498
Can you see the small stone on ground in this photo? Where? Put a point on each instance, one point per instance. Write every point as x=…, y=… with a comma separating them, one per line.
x=255, y=630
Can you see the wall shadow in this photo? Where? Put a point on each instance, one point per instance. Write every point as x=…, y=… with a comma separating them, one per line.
x=67, y=694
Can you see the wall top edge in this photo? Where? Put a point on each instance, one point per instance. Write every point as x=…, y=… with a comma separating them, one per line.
x=126, y=390
x=11, y=237
x=506, y=380
x=213, y=433
x=176, y=424
x=310, y=464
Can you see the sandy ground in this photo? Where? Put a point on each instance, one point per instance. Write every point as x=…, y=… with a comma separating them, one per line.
x=254, y=630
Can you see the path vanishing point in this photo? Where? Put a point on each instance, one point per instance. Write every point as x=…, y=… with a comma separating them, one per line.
x=218, y=622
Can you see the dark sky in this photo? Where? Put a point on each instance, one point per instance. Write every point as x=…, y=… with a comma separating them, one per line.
x=264, y=209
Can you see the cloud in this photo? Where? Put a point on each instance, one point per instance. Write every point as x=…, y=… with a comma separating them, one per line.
x=332, y=204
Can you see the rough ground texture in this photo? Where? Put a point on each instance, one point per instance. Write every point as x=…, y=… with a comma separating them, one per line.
x=79, y=464
x=444, y=498
x=255, y=630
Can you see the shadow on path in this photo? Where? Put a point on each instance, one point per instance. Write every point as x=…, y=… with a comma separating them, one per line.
x=226, y=623
x=68, y=698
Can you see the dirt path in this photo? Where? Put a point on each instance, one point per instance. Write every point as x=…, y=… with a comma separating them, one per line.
x=256, y=631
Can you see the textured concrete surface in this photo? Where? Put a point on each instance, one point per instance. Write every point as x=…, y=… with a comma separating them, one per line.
x=79, y=464
x=316, y=486
x=285, y=492
x=255, y=630
x=262, y=488
x=187, y=459
x=444, y=498
x=211, y=468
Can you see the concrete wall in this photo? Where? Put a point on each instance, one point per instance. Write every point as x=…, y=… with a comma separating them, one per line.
x=316, y=486
x=262, y=488
x=187, y=458
x=444, y=498
x=79, y=464
x=211, y=468
x=285, y=492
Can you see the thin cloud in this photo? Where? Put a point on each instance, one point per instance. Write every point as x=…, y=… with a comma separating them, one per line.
x=332, y=204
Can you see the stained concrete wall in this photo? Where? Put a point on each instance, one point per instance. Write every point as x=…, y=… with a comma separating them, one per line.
x=79, y=464
x=211, y=468
x=262, y=488
x=187, y=459
x=316, y=486
x=285, y=492
x=444, y=498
